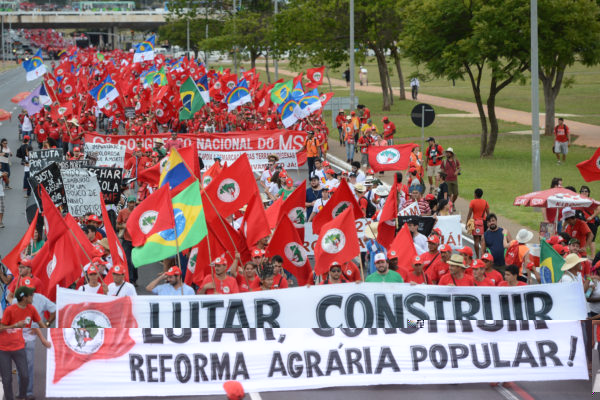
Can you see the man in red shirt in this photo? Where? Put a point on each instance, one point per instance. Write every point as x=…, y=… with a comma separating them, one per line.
x=417, y=276
x=561, y=140
x=439, y=269
x=219, y=282
x=12, y=343
x=432, y=258
x=389, y=129
x=457, y=276
x=335, y=275
x=479, y=278
x=24, y=272
x=490, y=272
x=340, y=120
x=433, y=156
x=577, y=228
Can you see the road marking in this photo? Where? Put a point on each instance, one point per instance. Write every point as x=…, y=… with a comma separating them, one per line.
x=596, y=388
x=1, y=390
x=504, y=392
x=253, y=396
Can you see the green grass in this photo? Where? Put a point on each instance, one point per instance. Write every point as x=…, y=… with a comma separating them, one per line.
x=581, y=98
x=508, y=174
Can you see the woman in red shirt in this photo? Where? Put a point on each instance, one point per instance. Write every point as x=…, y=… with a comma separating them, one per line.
x=247, y=277
x=479, y=210
x=510, y=277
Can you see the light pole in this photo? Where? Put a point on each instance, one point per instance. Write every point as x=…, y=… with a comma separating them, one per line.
x=275, y=63
x=187, y=34
x=351, y=54
x=535, y=100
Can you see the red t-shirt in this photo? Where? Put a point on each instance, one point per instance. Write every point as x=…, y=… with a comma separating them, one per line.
x=561, y=133
x=484, y=282
x=12, y=339
x=37, y=283
x=519, y=283
x=580, y=231
x=418, y=279
x=243, y=284
x=428, y=257
x=279, y=282
x=351, y=272
x=437, y=271
x=364, y=140
x=434, y=155
x=466, y=280
x=494, y=276
x=478, y=206
x=225, y=286
x=388, y=130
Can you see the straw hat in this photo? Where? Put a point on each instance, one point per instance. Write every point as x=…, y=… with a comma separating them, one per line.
x=571, y=261
x=458, y=261
x=359, y=187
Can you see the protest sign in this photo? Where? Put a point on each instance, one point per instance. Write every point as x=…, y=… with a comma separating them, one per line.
x=82, y=191
x=346, y=305
x=51, y=178
x=39, y=159
x=425, y=223
x=310, y=238
x=451, y=230
x=161, y=362
x=106, y=154
x=109, y=180
x=70, y=164
x=411, y=209
x=258, y=145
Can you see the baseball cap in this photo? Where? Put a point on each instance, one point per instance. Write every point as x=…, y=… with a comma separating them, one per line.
x=384, y=119
x=466, y=251
x=429, y=139
x=477, y=264
x=26, y=261
x=392, y=254
x=438, y=231
x=379, y=257
x=429, y=197
x=556, y=239
x=76, y=149
x=568, y=212
x=118, y=269
x=26, y=137
x=173, y=271
x=417, y=260
x=325, y=163
x=433, y=239
x=234, y=390
x=258, y=253
x=487, y=257
x=330, y=171
x=289, y=181
x=92, y=269
x=335, y=264
x=445, y=249
x=574, y=240
x=94, y=218
x=23, y=291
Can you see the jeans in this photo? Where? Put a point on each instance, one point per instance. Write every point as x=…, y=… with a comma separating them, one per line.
x=341, y=135
x=26, y=183
x=30, y=353
x=415, y=92
x=311, y=165
x=5, y=167
x=20, y=359
x=350, y=151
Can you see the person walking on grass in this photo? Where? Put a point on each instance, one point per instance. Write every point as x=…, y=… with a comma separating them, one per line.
x=561, y=140
x=451, y=167
x=414, y=85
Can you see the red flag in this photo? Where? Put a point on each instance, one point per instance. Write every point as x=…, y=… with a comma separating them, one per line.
x=287, y=243
x=315, y=75
x=11, y=260
x=338, y=241
x=255, y=225
x=324, y=98
x=233, y=187
x=210, y=174
x=404, y=246
x=117, y=254
x=272, y=212
x=385, y=232
x=390, y=208
x=75, y=347
x=590, y=169
x=295, y=208
x=190, y=157
x=55, y=225
x=390, y=158
x=154, y=214
x=342, y=198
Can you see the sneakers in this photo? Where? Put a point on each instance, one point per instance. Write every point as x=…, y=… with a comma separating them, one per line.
x=1, y=225
x=558, y=162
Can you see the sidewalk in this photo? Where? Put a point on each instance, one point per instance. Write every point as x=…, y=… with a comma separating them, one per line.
x=587, y=134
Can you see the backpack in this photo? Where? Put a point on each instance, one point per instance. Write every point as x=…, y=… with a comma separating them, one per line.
x=371, y=209
x=21, y=151
x=512, y=254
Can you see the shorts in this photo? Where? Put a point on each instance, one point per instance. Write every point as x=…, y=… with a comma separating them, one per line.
x=433, y=170
x=1, y=203
x=452, y=188
x=561, y=147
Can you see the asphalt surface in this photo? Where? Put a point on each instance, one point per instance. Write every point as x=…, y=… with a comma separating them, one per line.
x=13, y=82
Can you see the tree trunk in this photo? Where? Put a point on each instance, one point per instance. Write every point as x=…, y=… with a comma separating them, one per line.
x=396, y=56
x=253, y=56
x=476, y=86
x=328, y=80
x=267, y=67
x=491, y=107
x=383, y=77
x=390, y=87
x=551, y=85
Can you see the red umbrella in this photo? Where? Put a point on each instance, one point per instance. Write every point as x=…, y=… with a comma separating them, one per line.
x=5, y=115
x=553, y=198
x=20, y=97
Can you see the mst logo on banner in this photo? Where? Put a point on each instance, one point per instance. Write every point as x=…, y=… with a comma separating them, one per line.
x=364, y=305
x=160, y=362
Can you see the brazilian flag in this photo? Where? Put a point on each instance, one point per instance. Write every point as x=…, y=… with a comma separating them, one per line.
x=191, y=99
x=190, y=229
x=158, y=77
x=550, y=264
x=281, y=91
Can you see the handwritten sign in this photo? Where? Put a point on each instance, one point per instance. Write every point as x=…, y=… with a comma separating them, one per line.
x=109, y=180
x=82, y=190
x=51, y=178
x=106, y=154
x=40, y=159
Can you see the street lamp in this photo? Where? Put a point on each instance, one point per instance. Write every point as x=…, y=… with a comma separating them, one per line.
x=535, y=100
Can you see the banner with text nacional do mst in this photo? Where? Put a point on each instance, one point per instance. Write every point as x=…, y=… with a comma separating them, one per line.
x=164, y=362
x=361, y=305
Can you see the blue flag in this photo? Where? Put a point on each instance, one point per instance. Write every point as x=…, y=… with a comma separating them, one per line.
x=105, y=92
x=34, y=66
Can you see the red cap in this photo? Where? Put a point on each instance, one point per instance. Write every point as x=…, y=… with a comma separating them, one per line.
x=26, y=137
x=92, y=269
x=417, y=260
x=258, y=253
x=412, y=169
x=488, y=257
x=429, y=197
x=26, y=261
x=437, y=231
x=383, y=119
x=560, y=249
x=289, y=181
x=370, y=171
x=76, y=149
x=94, y=218
x=352, y=113
x=392, y=254
x=477, y=264
x=118, y=269
x=234, y=390
x=445, y=249
x=555, y=240
x=466, y=251
x=530, y=266
x=219, y=261
x=325, y=163
x=27, y=282
x=173, y=271
x=330, y=171
x=433, y=239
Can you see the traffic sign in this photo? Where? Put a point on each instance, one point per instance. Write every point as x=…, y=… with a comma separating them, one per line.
x=422, y=115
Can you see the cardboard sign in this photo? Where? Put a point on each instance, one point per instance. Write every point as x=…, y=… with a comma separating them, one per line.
x=109, y=180
x=82, y=190
x=51, y=178
x=106, y=154
x=40, y=159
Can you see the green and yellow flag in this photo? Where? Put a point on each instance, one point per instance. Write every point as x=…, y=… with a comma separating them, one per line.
x=550, y=264
x=190, y=229
x=191, y=99
x=281, y=91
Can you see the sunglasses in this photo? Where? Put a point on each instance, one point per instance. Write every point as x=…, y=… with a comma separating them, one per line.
x=584, y=191
x=335, y=270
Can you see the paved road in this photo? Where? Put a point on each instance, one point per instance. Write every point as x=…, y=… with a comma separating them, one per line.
x=12, y=82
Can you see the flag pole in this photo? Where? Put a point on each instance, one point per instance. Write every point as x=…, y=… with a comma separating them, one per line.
x=362, y=267
x=222, y=222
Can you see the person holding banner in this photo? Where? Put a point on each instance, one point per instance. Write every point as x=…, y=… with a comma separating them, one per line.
x=479, y=278
x=417, y=276
x=383, y=273
x=173, y=286
x=457, y=275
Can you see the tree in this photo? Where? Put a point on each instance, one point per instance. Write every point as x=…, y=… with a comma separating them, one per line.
x=569, y=31
x=460, y=39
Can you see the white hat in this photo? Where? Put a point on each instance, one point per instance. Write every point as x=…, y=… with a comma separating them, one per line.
x=382, y=191
x=568, y=212
x=379, y=257
x=524, y=236
x=570, y=261
x=450, y=149
x=359, y=187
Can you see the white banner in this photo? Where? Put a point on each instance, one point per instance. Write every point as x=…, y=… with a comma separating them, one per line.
x=162, y=362
x=451, y=230
x=411, y=209
x=82, y=191
x=258, y=158
x=106, y=154
x=370, y=305
x=310, y=238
